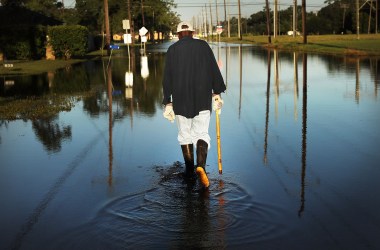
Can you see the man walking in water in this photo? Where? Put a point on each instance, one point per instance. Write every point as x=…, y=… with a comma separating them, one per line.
x=192, y=86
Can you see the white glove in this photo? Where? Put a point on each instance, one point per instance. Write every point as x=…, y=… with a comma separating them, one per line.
x=217, y=103
x=169, y=113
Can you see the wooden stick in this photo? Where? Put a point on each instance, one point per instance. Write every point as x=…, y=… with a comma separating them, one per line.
x=218, y=141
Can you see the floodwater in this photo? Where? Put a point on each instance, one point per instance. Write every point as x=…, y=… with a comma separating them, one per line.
x=300, y=143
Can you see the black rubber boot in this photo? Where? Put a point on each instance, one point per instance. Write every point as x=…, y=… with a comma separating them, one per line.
x=188, y=156
x=202, y=148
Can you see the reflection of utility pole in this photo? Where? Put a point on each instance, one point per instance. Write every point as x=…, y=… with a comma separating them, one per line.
x=277, y=82
x=295, y=65
x=304, y=133
x=228, y=51
x=357, y=85
x=241, y=77
x=110, y=152
x=267, y=108
x=376, y=62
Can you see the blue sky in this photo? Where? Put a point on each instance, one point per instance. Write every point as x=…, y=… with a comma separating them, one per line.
x=193, y=8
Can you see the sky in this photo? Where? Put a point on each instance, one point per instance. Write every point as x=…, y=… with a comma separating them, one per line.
x=193, y=8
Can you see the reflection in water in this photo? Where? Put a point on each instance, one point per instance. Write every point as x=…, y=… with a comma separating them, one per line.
x=296, y=91
x=240, y=77
x=304, y=132
x=172, y=215
x=51, y=192
x=357, y=85
x=49, y=132
x=267, y=107
x=169, y=215
x=110, y=124
x=276, y=83
x=227, y=52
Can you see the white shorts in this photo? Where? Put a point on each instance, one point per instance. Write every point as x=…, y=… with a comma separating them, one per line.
x=190, y=130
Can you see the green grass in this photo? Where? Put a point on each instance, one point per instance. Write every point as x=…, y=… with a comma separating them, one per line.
x=36, y=67
x=329, y=44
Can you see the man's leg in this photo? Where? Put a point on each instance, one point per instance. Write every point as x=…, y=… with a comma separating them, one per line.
x=202, y=148
x=185, y=140
x=199, y=131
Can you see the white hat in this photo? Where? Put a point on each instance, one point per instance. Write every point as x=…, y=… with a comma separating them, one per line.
x=184, y=26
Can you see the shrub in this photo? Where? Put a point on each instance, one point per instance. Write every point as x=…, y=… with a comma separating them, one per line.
x=23, y=42
x=68, y=41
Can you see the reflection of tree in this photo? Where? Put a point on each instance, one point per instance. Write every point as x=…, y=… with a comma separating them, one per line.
x=71, y=80
x=25, y=86
x=51, y=134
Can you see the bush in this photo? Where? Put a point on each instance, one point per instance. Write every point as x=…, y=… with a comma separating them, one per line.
x=68, y=41
x=23, y=42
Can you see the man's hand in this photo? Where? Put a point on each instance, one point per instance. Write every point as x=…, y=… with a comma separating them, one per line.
x=169, y=112
x=217, y=103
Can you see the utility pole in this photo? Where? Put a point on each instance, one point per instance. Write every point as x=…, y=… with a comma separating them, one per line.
x=357, y=19
x=268, y=21
x=295, y=7
x=216, y=12
x=239, y=22
x=377, y=9
x=376, y=19
x=210, y=27
x=206, y=20
x=225, y=11
x=142, y=13
x=304, y=30
x=228, y=23
x=130, y=20
x=107, y=24
x=370, y=17
x=275, y=22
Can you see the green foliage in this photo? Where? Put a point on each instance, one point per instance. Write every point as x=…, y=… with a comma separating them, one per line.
x=23, y=42
x=68, y=41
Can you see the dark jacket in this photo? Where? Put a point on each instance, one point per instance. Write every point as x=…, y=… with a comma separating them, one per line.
x=191, y=76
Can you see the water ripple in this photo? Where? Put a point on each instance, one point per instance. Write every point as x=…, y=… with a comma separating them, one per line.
x=174, y=214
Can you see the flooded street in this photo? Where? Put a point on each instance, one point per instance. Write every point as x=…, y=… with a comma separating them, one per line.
x=300, y=146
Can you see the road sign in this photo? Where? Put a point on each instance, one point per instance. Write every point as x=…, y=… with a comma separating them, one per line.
x=143, y=31
x=219, y=29
x=126, y=24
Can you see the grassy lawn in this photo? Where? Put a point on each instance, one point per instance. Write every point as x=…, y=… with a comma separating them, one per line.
x=35, y=67
x=366, y=45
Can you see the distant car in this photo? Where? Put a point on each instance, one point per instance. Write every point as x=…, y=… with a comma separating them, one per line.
x=290, y=33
